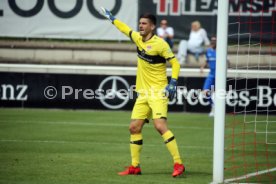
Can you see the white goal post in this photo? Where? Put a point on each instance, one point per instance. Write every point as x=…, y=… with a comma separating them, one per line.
x=219, y=118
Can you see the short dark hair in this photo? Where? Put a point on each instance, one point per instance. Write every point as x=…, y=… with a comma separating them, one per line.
x=149, y=16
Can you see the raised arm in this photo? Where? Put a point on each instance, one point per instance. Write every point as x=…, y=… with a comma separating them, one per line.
x=117, y=23
x=122, y=27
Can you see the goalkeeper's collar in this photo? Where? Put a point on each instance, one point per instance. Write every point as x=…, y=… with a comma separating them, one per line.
x=149, y=38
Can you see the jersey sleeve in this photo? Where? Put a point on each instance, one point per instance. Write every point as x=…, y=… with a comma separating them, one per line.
x=205, y=37
x=170, y=31
x=175, y=68
x=166, y=51
x=133, y=35
x=169, y=56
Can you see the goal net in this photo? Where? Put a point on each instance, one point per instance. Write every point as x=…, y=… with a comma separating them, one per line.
x=250, y=125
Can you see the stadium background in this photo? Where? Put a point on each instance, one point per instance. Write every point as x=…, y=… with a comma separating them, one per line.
x=66, y=43
x=80, y=20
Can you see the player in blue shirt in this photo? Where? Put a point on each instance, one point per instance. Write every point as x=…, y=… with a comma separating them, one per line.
x=209, y=84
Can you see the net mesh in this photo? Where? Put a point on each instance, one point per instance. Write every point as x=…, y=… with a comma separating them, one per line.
x=250, y=132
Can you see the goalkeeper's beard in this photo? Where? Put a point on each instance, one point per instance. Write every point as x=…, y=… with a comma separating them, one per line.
x=143, y=33
x=146, y=35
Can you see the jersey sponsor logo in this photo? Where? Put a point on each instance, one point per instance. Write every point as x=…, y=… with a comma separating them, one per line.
x=150, y=59
x=114, y=98
x=209, y=7
x=211, y=58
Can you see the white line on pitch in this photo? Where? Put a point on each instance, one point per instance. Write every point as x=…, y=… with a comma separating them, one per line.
x=250, y=175
x=88, y=142
x=93, y=124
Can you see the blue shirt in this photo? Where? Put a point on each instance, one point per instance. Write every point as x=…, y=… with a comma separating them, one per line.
x=211, y=60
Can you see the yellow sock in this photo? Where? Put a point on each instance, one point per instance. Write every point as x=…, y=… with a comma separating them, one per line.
x=136, y=142
x=172, y=146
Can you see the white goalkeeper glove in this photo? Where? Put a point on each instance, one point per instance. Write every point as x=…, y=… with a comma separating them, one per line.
x=107, y=14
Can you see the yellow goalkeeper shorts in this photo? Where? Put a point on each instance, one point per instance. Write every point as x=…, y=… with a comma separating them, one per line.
x=150, y=106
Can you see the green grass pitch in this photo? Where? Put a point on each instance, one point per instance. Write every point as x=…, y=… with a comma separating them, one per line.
x=67, y=146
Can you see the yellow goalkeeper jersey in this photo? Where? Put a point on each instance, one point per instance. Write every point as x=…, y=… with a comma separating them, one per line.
x=152, y=57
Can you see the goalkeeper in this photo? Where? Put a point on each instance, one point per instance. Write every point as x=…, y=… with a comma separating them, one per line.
x=151, y=84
